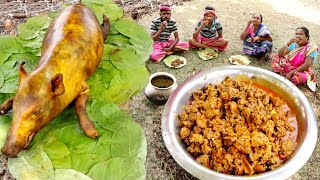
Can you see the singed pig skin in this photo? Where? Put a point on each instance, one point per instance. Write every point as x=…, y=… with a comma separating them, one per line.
x=71, y=52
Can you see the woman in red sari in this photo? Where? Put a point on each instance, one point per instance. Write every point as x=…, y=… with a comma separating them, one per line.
x=295, y=59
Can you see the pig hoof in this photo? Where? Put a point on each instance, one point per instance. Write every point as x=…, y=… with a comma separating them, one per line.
x=92, y=134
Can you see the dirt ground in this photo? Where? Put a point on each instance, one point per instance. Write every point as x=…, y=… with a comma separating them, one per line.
x=282, y=17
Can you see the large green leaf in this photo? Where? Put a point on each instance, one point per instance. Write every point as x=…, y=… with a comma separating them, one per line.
x=29, y=58
x=107, y=52
x=59, y=154
x=118, y=168
x=98, y=10
x=103, y=147
x=31, y=29
x=118, y=39
x=142, y=41
x=83, y=161
x=10, y=82
x=129, y=28
x=70, y=174
x=142, y=52
x=97, y=78
x=10, y=44
x=139, y=37
x=5, y=122
x=110, y=116
x=8, y=66
x=35, y=43
x=66, y=129
x=4, y=56
x=125, y=58
x=31, y=166
x=137, y=34
x=111, y=71
x=1, y=79
x=113, y=11
x=127, y=140
x=129, y=82
x=112, y=29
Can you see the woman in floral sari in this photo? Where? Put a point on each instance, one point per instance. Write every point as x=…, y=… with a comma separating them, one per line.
x=295, y=59
x=256, y=38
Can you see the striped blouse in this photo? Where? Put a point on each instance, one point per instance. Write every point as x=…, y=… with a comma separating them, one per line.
x=210, y=32
x=165, y=34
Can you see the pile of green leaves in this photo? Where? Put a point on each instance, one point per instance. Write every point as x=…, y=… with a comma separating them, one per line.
x=61, y=150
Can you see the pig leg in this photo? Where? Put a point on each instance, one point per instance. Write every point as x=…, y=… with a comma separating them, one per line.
x=6, y=106
x=80, y=109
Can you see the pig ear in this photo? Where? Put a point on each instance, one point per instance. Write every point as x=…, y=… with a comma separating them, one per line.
x=57, y=86
x=22, y=72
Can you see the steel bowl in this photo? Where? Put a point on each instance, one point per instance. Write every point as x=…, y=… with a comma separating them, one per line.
x=306, y=118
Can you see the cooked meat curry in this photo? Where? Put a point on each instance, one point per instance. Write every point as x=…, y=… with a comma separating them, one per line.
x=238, y=128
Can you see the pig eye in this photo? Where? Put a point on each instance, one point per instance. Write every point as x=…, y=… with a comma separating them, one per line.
x=37, y=112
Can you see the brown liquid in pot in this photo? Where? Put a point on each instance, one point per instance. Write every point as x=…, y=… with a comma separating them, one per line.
x=162, y=81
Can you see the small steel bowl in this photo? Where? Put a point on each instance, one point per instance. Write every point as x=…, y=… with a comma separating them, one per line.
x=306, y=118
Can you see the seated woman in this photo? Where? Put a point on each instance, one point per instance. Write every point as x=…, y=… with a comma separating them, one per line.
x=208, y=32
x=295, y=59
x=256, y=38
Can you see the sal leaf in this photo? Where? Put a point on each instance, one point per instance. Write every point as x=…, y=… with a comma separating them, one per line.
x=70, y=174
x=31, y=166
x=1, y=79
x=10, y=44
x=5, y=122
x=118, y=168
x=118, y=39
x=31, y=29
x=59, y=154
x=4, y=56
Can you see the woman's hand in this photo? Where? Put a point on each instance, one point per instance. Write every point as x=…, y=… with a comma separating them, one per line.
x=250, y=22
x=257, y=38
x=290, y=74
x=293, y=40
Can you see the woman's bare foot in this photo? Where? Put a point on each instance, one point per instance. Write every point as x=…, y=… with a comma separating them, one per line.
x=169, y=52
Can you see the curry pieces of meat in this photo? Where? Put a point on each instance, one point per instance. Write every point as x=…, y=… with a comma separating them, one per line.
x=237, y=128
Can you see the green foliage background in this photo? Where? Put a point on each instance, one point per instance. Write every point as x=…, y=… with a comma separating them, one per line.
x=61, y=150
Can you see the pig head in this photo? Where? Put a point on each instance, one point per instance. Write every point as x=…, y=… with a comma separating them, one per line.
x=34, y=106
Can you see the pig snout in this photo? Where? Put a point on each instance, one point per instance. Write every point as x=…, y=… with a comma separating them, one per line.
x=13, y=145
x=10, y=150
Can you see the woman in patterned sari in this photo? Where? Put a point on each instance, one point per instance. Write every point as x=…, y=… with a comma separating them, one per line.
x=295, y=59
x=256, y=38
